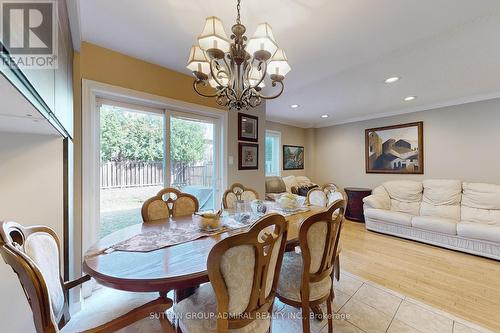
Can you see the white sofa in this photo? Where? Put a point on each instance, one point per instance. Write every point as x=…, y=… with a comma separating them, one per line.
x=276, y=186
x=447, y=213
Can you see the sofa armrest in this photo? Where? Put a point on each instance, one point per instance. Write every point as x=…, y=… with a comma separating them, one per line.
x=375, y=201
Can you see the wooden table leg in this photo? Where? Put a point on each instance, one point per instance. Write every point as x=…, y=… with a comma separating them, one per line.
x=180, y=294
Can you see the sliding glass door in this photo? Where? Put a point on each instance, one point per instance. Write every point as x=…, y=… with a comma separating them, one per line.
x=143, y=150
x=132, y=163
x=193, y=157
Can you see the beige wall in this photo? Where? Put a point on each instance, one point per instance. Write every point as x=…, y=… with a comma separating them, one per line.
x=31, y=169
x=459, y=142
x=252, y=178
x=296, y=136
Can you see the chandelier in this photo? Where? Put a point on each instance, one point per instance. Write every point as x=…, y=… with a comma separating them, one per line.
x=234, y=67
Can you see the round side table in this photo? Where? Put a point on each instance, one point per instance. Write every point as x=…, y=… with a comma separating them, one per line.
x=355, y=197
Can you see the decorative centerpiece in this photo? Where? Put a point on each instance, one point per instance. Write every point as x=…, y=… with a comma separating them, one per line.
x=288, y=202
x=209, y=220
x=258, y=207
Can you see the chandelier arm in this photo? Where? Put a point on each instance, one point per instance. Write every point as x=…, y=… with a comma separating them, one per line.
x=212, y=73
x=195, y=87
x=263, y=73
x=278, y=94
x=229, y=70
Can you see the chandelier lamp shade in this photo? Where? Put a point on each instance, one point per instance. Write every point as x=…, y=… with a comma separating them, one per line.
x=236, y=67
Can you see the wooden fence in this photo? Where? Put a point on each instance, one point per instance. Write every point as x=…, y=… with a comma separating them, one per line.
x=131, y=174
x=137, y=174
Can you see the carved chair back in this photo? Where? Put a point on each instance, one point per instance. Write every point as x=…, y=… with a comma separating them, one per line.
x=237, y=192
x=169, y=202
x=33, y=254
x=244, y=271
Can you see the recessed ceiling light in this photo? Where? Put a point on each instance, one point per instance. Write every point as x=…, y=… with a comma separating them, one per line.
x=391, y=79
x=324, y=116
x=409, y=98
x=294, y=106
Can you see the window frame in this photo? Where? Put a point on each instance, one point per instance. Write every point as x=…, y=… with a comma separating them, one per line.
x=276, y=134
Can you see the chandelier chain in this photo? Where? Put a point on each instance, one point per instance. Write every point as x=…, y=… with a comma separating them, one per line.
x=238, y=10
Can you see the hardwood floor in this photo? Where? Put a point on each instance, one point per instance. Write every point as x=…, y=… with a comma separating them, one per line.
x=464, y=285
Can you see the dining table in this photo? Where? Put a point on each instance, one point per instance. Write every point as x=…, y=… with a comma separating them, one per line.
x=177, y=267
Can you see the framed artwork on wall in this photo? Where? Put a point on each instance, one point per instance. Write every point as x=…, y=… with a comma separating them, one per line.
x=248, y=156
x=395, y=149
x=248, y=127
x=293, y=157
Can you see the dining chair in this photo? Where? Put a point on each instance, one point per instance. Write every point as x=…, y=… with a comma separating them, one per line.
x=169, y=202
x=33, y=253
x=306, y=278
x=243, y=271
x=317, y=197
x=230, y=197
x=322, y=197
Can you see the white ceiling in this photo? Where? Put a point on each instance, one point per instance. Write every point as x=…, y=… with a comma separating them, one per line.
x=17, y=115
x=445, y=51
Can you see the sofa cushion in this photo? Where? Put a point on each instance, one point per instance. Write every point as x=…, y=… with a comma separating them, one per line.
x=303, y=181
x=478, y=195
x=388, y=216
x=290, y=182
x=477, y=215
x=442, y=191
x=479, y=231
x=481, y=203
x=404, y=190
x=436, y=224
x=444, y=211
x=275, y=185
x=411, y=208
x=405, y=195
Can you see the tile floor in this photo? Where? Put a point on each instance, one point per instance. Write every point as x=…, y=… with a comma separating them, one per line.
x=361, y=307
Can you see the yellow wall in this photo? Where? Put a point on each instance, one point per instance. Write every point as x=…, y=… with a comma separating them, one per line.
x=107, y=66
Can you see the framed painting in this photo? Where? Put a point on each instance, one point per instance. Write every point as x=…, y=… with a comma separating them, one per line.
x=248, y=156
x=248, y=127
x=293, y=157
x=395, y=149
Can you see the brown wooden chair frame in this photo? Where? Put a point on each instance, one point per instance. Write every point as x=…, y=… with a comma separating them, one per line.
x=259, y=303
x=313, y=190
x=12, y=238
x=231, y=190
x=170, y=201
x=326, y=267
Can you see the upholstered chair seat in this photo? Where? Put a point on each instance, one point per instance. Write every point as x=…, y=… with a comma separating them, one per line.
x=291, y=277
x=204, y=304
x=105, y=306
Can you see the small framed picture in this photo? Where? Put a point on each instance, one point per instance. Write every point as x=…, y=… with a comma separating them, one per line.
x=248, y=156
x=248, y=127
x=293, y=157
